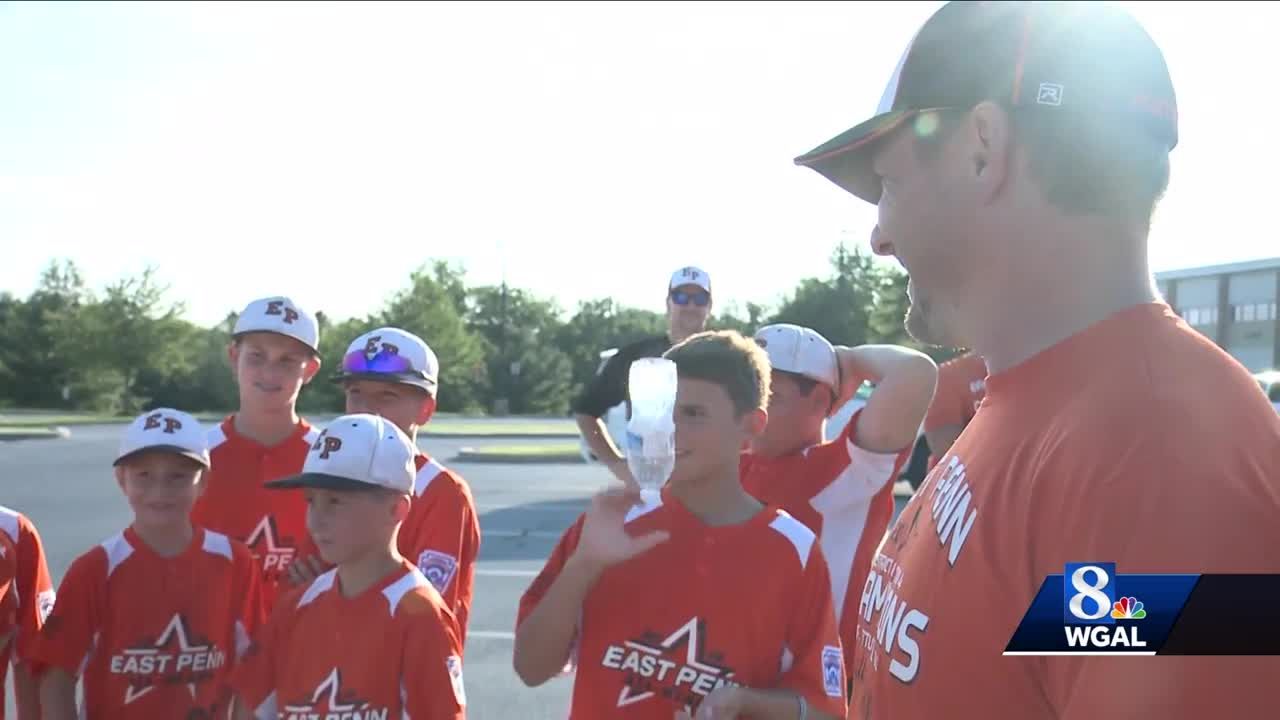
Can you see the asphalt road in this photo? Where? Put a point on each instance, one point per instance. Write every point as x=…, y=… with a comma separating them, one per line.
x=66, y=488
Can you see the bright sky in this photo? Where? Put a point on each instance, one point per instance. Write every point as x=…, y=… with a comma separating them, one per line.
x=325, y=150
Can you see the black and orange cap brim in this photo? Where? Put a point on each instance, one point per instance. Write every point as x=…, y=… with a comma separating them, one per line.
x=846, y=158
x=321, y=481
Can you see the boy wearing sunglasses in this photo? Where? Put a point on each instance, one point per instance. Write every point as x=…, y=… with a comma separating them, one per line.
x=688, y=308
x=394, y=374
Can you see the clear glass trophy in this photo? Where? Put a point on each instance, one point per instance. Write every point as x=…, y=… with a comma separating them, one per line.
x=651, y=451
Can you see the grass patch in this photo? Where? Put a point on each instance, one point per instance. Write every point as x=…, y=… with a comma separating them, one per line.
x=538, y=428
x=26, y=432
x=41, y=420
x=516, y=454
x=529, y=451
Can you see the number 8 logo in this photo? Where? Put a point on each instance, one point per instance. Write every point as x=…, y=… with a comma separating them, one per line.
x=1093, y=591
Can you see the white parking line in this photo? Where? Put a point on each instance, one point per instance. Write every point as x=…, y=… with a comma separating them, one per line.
x=506, y=572
x=542, y=507
x=520, y=533
x=491, y=634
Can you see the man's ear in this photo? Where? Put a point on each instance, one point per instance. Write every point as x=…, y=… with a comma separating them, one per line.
x=990, y=144
x=233, y=354
x=755, y=421
x=120, y=477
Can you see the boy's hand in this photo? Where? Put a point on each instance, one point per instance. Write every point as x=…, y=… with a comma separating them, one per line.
x=304, y=570
x=604, y=541
x=724, y=703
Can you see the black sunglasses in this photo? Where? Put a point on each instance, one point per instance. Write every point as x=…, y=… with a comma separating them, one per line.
x=680, y=297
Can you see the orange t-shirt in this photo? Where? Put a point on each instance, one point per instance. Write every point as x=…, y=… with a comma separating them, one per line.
x=1094, y=450
x=390, y=652
x=746, y=604
x=442, y=535
x=153, y=636
x=273, y=523
x=30, y=596
x=845, y=495
x=962, y=383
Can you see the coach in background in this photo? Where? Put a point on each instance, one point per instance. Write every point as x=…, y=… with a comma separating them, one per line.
x=688, y=307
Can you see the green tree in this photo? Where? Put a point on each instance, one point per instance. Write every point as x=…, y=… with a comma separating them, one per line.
x=429, y=308
x=838, y=306
x=528, y=372
x=34, y=339
x=133, y=330
x=599, y=325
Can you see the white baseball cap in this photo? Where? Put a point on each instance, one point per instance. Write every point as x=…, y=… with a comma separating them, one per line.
x=168, y=430
x=357, y=452
x=281, y=316
x=802, y=351
x=391, y=355
x=690, y=276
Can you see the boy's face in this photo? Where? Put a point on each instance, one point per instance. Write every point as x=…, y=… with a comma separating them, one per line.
x=346, y=524
x=710, y=435
x=161, y=487
x=791, y=412
x=271, y=369
x=406, y=406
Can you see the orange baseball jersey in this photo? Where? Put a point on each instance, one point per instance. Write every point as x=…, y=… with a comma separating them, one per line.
x=390, y=652
x=272, y=523
x=1093, y=450
x=746, y=604
x=30, y=596
x=152, y=636
x=845, y=495
x=8, y=602
x=442, y=535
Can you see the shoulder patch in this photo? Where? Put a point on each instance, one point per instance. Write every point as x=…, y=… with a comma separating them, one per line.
x=439, y=568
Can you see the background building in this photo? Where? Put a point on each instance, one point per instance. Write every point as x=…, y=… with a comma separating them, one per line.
x=1234, y=305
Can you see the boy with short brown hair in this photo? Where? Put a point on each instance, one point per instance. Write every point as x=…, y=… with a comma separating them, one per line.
x=648, y=600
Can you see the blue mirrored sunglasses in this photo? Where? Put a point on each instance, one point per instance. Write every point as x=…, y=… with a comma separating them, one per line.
x=357, y=362
x=680, y=297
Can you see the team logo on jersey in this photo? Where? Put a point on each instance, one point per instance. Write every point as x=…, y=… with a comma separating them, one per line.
x=45, y=601
x=677, y=667
x=269, y=549
x=454, y=664
x=330, y=701
x=438, y=567
x=832, y=671
x=175, y=657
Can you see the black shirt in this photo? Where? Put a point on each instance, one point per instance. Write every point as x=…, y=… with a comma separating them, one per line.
x=609, y=386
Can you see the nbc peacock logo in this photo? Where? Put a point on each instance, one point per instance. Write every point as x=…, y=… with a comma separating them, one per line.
x=1128, y=608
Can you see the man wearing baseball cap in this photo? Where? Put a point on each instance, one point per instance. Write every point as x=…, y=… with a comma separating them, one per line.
x=372, y=635
x=392, y=373
x=1016, y=164
x=688, y=308
x=842, y=489
x=274, y=351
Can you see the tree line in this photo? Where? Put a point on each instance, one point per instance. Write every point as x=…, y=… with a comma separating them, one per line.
x=502, y=350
